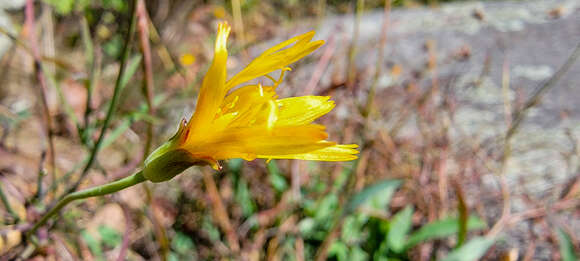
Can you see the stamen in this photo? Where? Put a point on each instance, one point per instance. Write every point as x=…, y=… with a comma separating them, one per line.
x=261, y=90
x=233, y=103
x=273, y=115
x=281, y=78
x=271, y=78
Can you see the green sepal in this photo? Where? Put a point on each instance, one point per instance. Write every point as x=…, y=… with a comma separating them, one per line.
x=168, y=164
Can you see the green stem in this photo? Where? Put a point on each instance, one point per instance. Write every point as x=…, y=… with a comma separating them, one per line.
x=87, y=193
x=92, y=67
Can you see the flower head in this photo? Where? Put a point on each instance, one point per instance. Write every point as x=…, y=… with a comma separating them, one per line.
x=249, y=122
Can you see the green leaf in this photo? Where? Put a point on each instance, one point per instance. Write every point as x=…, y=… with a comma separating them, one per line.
x=368, y=192
x=352, y=228
x=94, y=244
x=130, y=70
x=276, y=179
x=182, y=244
x=339, y=250
x=463, y=217
x=117, y=132
x=110, y=236
x=208, y=227
x=114, y=46
x=358, y=254
x=474, y=249
x=117, y=5
x=326, y=208
x=62, y=7
x=347, y=169
x=173, y=257
x=566, y=246
x=442, y=228
x=400, y=226
x=380, y=201
x=244, y=198
x=235, y=165
x=307, y=226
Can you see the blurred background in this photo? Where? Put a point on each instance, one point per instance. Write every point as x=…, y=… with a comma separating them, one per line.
x=466, y=114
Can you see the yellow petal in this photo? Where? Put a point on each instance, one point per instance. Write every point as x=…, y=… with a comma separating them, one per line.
x=339, y=152
x=276, y=58
x=302, y=110
x=246, y=143
x=213, y=89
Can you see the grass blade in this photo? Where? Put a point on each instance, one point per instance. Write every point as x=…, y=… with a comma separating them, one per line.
x=566, y=247
x=441, y=229
x=474, y=249
x=399, y=228
x=366, y=193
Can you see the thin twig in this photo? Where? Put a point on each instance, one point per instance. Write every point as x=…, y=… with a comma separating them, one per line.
x=543, y=211
x=321, y=10
x=321, y=66
x=515, y=124
x=163, y=50
x=380, y=57
x=220, y=212
x=158, y=228
x=539, y=93
x=148, y=84
x=126, y=234
x=507, y=151
x=351, y=68
x=41, y=173
x=239, y=24
x=92, y=66
x=41, y=78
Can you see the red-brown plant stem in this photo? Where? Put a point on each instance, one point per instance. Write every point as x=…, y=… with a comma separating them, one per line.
x=40, y=76
x=126, y=234
x=321, y=66
x=148, y=84
x=220, y=212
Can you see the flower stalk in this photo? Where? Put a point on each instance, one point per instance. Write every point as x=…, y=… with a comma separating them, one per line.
x=101, y=190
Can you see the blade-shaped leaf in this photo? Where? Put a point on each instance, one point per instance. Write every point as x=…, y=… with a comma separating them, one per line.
x=442, y=228
x=276, y=179
x=474, y=249
x=399, y=228
x=132, y=67
x=566, y=246
x=367, y=192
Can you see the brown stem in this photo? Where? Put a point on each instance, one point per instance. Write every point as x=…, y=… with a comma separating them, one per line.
x=41, y=78
x=220, y=212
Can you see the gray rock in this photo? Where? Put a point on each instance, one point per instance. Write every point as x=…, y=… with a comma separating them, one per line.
x=6, y=23
x=534, y=38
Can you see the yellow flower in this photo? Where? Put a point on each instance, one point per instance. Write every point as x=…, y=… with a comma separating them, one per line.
x=249, y=122
x=187, y=59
